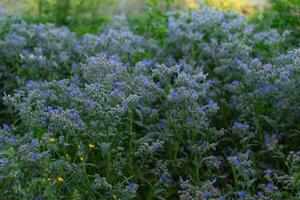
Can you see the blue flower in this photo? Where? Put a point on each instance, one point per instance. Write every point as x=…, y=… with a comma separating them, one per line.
x=158, y=84
x=33, y=144
x=3, y=161
x=38, y=197
x=270, y=186
x=35, y=156
x=260, y=194
x=268, y=171
x=162, y=123
x=207, y=194
x=60, y=109
x=44, y=120
x=6, y=127
x=270, y=140
x=50, y=109
x=242, y=194
x=132, y=187
x=218, y=163
x=241, y=126
x=12, y=139
x=174, y=95
x=50, y=129
x=236, y=161
x=2, y=176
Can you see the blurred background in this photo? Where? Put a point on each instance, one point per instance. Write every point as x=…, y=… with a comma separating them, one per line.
x=88, y=15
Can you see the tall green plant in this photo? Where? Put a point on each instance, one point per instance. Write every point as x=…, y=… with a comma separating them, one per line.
x=62, y=11
x=283, y=15
x=154, y=22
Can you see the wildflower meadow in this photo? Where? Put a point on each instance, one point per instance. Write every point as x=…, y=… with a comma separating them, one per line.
x=191, y=105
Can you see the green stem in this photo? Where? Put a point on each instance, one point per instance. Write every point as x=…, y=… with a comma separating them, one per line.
x=130, y=131
x=108, y=172
x=234, y=177
x=177, y=146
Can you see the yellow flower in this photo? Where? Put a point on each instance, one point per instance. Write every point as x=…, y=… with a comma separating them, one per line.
x=91, y=146
x=81, y=158
x=59, y=180
x=49, y=179
x=78, y=146
x=192, y=4
x=52, y=140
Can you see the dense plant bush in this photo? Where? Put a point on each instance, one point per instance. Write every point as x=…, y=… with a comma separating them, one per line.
x=283, y=14
x=208, y=110
x=81, y=16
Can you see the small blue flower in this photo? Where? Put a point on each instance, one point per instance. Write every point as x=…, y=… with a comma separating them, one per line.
x=38, y=197
x=260, y=194
x=132, y=187
x=44, y=120
x=2, y=176
x=6, y=128
x=236, y=161
x=50, y=129
x=33, y=144
x=35, y=156
x=97, y=86
x=268, y=171
x=270, y=186
x=158, y=84
x=60, y=109
x=162, y=123
x=207, y=194
x=3, y=161
x=12, y=139
x=270, y=140
x=242, y=194
x=50, y=109
x=218, y=163
x=174, y=95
